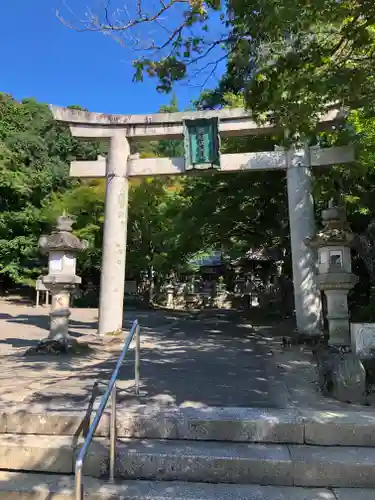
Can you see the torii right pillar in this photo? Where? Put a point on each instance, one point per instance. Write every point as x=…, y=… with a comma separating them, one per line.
x=307, y=298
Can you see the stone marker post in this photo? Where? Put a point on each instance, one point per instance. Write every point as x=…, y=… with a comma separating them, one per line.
x=61, y=246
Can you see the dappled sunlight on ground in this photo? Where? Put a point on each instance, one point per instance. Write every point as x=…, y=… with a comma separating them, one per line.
x=211, y=359
x=198, y=373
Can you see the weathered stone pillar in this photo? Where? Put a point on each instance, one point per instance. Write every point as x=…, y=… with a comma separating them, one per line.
x=112, y=280
x=60, y=310
x=301, y=221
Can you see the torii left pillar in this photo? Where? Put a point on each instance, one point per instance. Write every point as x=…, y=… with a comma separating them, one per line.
x=307, y=298
x=112, y=279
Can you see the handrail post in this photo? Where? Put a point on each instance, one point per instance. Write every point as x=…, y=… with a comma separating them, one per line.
x=137, y=367
x=78, y=481
x=112, y=435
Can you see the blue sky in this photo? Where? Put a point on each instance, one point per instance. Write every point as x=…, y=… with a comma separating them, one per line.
x=42, y=58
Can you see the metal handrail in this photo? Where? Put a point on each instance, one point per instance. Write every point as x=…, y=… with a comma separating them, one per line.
x=110, y=391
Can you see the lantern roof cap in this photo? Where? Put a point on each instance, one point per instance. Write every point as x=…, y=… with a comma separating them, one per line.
x=336, y=230
x=62, y=238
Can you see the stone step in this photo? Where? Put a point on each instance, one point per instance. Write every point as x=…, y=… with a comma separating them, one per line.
x=200, y=461
x=334, y=466
x=54, y=454
x=328, y=428
x=49, y=422
x=36, y=453
x=339, y=427
x=27, y=486
x=213, y=424
x=197, y=461
x=243, y=463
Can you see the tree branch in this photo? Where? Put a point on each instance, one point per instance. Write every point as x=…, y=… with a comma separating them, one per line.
x=186, y=47
x=93, y=23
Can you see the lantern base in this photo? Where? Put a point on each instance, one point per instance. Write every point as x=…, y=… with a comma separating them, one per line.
x=53, y=346
x=341, y=374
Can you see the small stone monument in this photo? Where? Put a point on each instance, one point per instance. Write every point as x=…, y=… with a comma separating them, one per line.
x=170, y=295
x=341, y=373
x=61, y=246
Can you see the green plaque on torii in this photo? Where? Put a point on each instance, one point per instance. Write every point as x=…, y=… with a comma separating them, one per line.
x=202, y=144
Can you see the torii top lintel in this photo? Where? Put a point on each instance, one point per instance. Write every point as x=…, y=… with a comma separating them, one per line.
x=233, y=122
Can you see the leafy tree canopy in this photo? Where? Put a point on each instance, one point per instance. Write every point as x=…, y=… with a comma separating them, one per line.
x=34, y=156
x=170, y=219
x=291, y=58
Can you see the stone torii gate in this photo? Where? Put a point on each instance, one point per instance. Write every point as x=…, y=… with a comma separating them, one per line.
x=120, y=166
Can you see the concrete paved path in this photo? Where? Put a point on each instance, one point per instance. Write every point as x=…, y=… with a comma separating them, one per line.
x=214, y=359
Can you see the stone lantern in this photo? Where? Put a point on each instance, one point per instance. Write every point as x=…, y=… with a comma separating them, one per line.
x=335, y=276
x=61, y=246
x=341, y=373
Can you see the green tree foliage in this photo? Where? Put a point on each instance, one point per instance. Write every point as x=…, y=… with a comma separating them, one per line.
x=290, y=58
x=233, y=213
x=154, y=224
x=156, y=227
x=34, y=156
x=170, y=219
x=293, y=59
x=156, y=213
x=175, y=40
x=85, y=202
x=35, y=188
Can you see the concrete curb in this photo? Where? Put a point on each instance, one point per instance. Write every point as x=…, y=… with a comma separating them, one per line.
x=25, y=486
